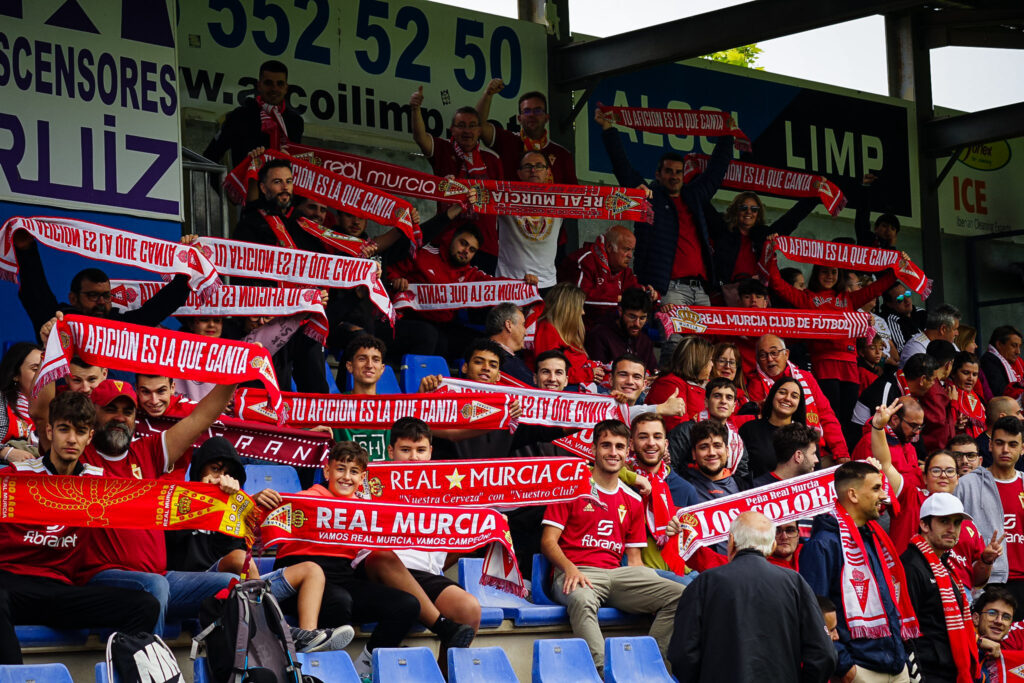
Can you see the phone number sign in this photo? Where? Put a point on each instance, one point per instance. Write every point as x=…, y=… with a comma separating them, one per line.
x=354, y=64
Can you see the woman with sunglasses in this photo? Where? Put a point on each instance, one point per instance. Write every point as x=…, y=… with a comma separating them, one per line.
x=738, y=235
x=971, y=559
x=834, y=360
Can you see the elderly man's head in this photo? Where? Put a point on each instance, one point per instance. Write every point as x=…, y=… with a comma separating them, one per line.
x=751, y=531
x=772, y=355
x=619, y=243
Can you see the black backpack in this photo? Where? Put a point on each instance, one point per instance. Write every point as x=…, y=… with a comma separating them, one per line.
x=141, y=658
x=246, y=637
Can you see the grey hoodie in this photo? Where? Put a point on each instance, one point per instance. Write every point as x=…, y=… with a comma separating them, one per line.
x=978, y=492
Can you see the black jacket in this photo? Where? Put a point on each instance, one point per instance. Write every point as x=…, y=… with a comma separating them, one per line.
x=241, y=132
x=749, y=620
x=934, y=656
x=680, y=448
x=40, y=303
x=994, y=373
x=656, y=241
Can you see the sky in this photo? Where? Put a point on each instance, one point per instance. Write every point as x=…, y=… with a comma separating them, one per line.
x=850, y=55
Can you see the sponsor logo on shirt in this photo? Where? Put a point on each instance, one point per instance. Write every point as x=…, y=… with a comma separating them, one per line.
x=590, y=541
x=50, y=538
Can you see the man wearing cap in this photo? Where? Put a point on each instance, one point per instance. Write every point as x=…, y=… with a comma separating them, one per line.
x=137, y=558
x=947, y=648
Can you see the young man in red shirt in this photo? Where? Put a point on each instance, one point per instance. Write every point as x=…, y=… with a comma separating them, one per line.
x=38, y=564
x=585, y=541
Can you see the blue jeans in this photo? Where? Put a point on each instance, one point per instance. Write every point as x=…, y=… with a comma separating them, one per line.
x=180, y=593
x=686, y=580
x=687, y=294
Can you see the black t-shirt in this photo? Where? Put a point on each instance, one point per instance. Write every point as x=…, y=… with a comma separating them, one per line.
x=197, y=551
x=757, y=437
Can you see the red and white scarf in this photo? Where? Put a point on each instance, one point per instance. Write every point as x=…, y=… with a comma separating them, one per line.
x=448, y=296
x=657, y=506
x=155, y=351
x=532, y=145
x=232, y=300
x=336, y=242
x=754, y=322
x=1012, y=376
x=471, y=163
x=508, y=482
x=767, y=382
x=742, y=175
x=550, y=408
x=781, y=501
x=967, y=403
x=862, y=597
x=361, y=411
x=297, y=267
x=678, y=122
x=362, y=524
x=272, y=123
x=963, y=641
x=110, y=245
x=851, y=257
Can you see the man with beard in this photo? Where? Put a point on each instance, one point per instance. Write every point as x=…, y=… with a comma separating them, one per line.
x=901, y=431
x=711, y=476
x=719, y=407
x=506, y=326
x=796, y=451
x=586, y=540
x=608, y=340
x=137, y=559
x=628, y=380
x=947, y=649
x=848, y=555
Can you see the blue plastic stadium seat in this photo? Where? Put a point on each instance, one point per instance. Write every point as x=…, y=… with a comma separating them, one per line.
x=264, y=564
x=565, y=660
x=415, y=368
x=480, y=665
x=332, y=384
x=34, y=673
x=281, y=478
x=387, y=384
x=405, y=665
x=634, y=660
x=44, y=636
x=335, y=666
x=521, y=611
x=201, y=673
x=542, y=587
x=101, y=674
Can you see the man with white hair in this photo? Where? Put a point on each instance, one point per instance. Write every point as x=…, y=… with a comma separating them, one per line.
x=734, y=619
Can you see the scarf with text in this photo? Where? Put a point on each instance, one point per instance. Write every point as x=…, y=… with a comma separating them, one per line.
x=232, y=300
x=110, y=245
x=862, y=597
x=959, y=625
x=272, y=123
x=296, y=447
x=335, y=242
x=336, y=191
x=754, y=322
x=446, y=296
x=767, y=180
x=316, y=520
x=851, y=257
x=123, y=504
x=155, y=351
x=296, y=267
x=782, y=501
x=363, y=411
x=766, y=383
x=678, y=122
x=657, y=506
x=549, y=408
x=511, y=482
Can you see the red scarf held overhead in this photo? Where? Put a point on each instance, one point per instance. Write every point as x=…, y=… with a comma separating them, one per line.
x=272, y=123
x=110, y=245
x=456, y=295
x=386, y=526
x=232, y=300
x=754, y=322
x=334, y=241
x=156, y=351
x=862, y=598
x=852, y=257
x=362, y=411
x=509, y=482
x=296, y=267
x=782, y=501
x=296, y=447
x=963, y=641
x=767, y=180
x=678, y=122
x=123, y=504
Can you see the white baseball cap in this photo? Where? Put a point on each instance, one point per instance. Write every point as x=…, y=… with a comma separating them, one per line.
x=943, y=505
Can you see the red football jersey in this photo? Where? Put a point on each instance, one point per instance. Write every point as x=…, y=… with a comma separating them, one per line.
x=50, y=552
x=596, y=536
x=966, y=552
x=138, y=550
x=1011, y=495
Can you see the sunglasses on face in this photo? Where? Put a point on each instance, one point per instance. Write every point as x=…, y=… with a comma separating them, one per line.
x=751, y=208
x=905, y=295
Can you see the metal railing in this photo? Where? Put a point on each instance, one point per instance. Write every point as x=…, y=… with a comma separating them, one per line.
x=206, y=205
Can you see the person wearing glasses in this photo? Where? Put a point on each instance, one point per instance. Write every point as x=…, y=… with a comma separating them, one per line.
x=946, y=649
x=993, y=622
x=992, y=496
x=965, y=452
x=901, y=316
x=533, y=135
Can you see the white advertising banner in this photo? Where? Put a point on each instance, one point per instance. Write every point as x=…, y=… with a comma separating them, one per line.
x=982, y=192
x=89, y=106
x=353, y=64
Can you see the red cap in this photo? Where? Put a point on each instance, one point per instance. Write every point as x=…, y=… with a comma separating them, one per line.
x=110, y=389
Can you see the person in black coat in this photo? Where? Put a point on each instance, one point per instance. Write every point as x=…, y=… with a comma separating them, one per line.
x=749, y=620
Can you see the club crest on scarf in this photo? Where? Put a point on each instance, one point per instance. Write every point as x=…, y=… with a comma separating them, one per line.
x=685, y=319
x=285, y=518
x=860, y=585
x=476, y=410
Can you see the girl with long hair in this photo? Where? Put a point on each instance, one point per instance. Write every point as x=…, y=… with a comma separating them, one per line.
x=561, y=327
